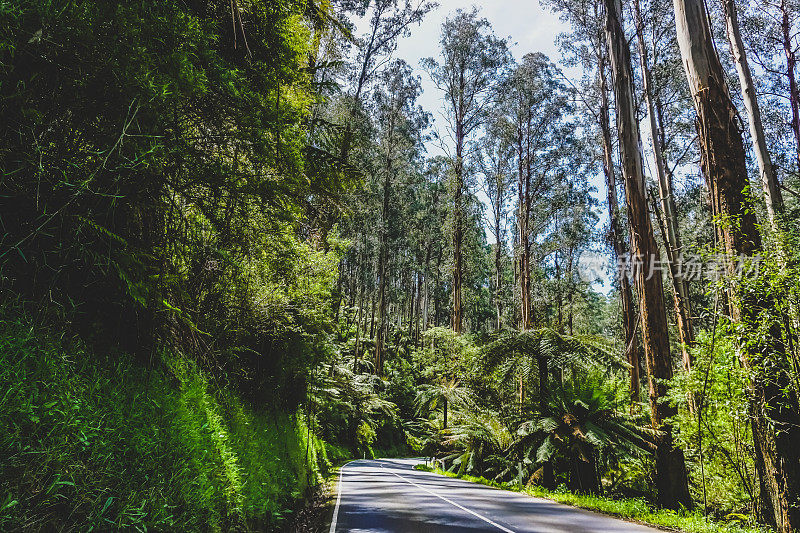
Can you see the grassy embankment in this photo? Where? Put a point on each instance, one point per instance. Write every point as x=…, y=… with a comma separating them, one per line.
x=629, y=508
x=93, y=441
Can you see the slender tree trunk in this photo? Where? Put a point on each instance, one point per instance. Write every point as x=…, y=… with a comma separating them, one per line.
x=571, y=288
x=436, y=300
x=412, y=308
x=672, y=237
x=373, y=303
x=365, y=326
x=632, y=347
x=458, y=238
x=683, y=316
x=775, y=420
x=671, y=478
x=499, y=246
x=516, y=262
x=352, y=290
x=559, y=290
x=426, y=290
x=498, y=279
x=632, y=350
x=444, y=413
x=380, y=341
x=339, y=283
x=358, y=331
x=529, y=321
x=523, y=212
x=769, y=178
x=418, y=309
x=457, y=321
x=791, y=63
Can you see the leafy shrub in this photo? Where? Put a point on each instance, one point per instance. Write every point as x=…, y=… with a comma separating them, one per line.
x=365, y=438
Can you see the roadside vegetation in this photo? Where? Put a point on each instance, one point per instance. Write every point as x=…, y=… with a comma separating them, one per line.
x=89, y=441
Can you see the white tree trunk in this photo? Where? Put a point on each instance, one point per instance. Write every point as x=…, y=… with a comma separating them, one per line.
x=769, y=179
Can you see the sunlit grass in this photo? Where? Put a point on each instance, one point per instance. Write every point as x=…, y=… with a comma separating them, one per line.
x=94, y=441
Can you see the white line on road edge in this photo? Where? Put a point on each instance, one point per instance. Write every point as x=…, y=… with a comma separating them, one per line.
x=338, y=500
x=495, y=524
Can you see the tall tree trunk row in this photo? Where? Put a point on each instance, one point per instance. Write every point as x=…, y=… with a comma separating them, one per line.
x=769, y=178
x=775, y=420
x=672, y=235
x=671, y=477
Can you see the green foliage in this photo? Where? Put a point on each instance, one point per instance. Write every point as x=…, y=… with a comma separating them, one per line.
x=559, y=349
x=444, y=354
x=154, y=171
x=353, y=410
x=155, y=178
x=528, y=357
x=477, y=444
x=584, y=426
x=284, y=326
x=716, y=437
x=365, y=438
x=577, y=427
x=444, y=394
x=95, y=441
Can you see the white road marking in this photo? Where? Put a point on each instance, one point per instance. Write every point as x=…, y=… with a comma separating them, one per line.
x=495, y=524
x=338, y=500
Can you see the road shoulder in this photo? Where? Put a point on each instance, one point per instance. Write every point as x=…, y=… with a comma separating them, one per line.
x=586, y=509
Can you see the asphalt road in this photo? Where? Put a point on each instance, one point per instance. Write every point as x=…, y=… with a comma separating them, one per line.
x=388, y=495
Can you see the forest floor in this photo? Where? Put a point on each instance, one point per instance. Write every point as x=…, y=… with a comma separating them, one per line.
x=314, y=517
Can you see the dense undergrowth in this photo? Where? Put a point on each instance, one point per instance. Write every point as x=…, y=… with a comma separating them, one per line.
x=95, y=441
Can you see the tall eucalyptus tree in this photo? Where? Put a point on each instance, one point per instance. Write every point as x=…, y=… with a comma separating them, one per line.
x=585, y=45
x=389, y=20
x=494, y=157
x=775, y=419
x=536, y=105
x=472, y=58
x=769, y=177
x=671, y=477
x=400, y=126
x=669, y=222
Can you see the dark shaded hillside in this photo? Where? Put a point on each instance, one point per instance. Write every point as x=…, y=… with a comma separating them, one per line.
x=94, y=440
